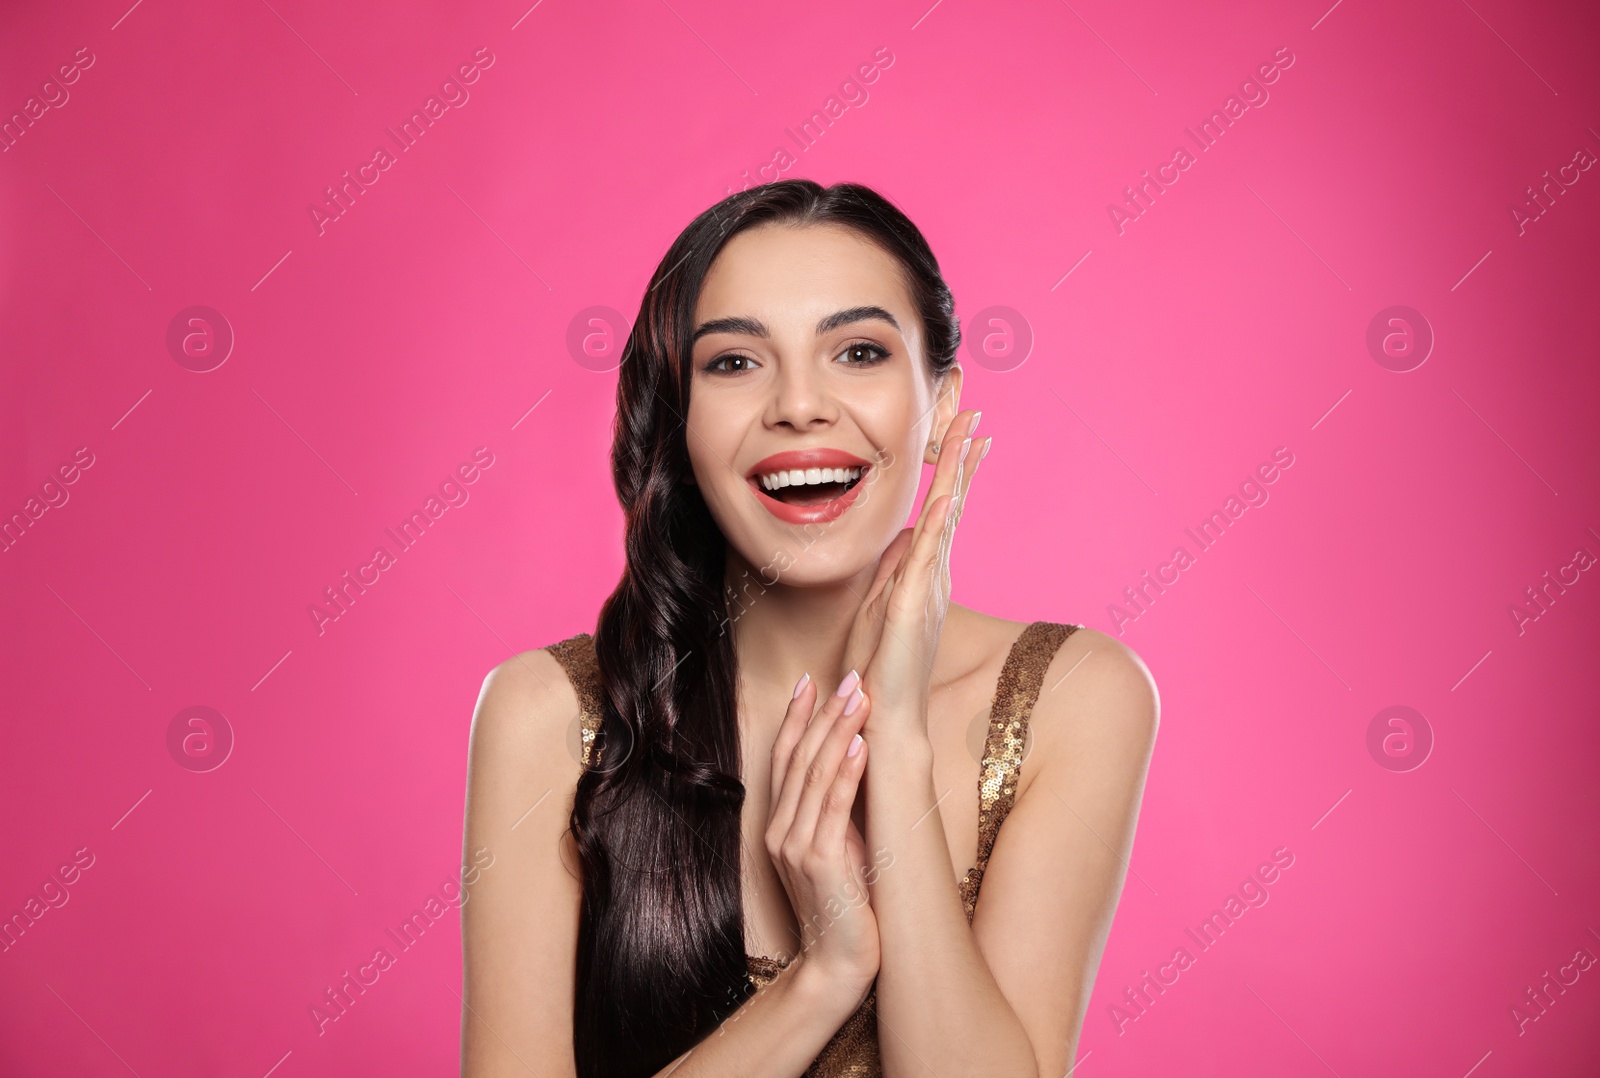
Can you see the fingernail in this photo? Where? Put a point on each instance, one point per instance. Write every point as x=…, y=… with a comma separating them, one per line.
x=975, y=417
x=987, y=442
x=966, y=447
x=855, y=745
x=800, y=685
x=855, y=701
x=848, y=685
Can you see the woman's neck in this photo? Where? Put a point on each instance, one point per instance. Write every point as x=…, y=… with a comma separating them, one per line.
x=781, y=632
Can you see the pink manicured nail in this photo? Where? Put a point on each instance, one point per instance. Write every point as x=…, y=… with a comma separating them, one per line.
x=966, y=447
x=847, y=686
x=855, y=746
x=855, y=701
x=800, y=685
x=975, y=417
x=987, y=442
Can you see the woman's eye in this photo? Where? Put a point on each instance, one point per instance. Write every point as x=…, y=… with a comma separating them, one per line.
x=731, y=364
x=863, y=354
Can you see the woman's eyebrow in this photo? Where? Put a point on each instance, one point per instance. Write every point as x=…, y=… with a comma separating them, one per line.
x=855, y=314
x=756, y=328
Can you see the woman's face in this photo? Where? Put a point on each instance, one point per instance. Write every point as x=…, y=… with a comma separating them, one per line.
x=811, y=406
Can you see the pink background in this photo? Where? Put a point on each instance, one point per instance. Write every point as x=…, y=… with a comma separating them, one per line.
x=372, y=359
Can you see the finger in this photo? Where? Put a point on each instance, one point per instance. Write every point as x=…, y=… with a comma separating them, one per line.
x=835, y=800
x=944, y=473
x=934, y=518
x=969, y=469
x=860, y=863
x=890, y=561
x=787, y=739
x=957, y=494
x=867, y=626
x=853, y=840
x=821, y=774
x=786, y=803
x=868, y=620
x=937, y=565
x=912, y=583
x=974, y=458
x=947, y=473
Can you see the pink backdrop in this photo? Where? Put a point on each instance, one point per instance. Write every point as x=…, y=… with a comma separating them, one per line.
x=172, y=521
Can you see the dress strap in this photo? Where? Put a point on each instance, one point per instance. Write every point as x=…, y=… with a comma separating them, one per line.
x=577, y=658
x=1015, y=693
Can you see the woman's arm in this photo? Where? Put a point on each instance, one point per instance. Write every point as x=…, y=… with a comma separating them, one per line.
x=1007, y=996
x=520, y=921
x=1061, y=858
x=777, y=1032
x=519, y=926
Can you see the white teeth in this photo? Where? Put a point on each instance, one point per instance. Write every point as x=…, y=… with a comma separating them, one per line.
x=796, y=477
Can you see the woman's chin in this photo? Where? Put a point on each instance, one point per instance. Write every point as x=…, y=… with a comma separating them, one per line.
x=807, y=562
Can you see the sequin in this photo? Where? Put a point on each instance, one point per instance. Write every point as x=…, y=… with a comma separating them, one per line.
x=577, y=658
x=853, y=1050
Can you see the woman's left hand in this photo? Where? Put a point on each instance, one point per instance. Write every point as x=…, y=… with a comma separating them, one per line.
x=896, y=632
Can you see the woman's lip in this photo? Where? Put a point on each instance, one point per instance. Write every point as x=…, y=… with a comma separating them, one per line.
x=791, y=459
x=821, y=513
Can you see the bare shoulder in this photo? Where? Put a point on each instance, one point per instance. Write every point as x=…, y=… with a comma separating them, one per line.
x=519, y=931
x=1098, y=704
x=524, y=708
x=1101, y=670
x=524, y=749
x=1090, y=672
x=524, y=752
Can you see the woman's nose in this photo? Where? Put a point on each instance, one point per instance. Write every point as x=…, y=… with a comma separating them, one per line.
x=800, y=400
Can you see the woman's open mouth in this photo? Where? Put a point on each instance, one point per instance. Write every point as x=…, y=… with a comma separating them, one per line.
x=808, y=486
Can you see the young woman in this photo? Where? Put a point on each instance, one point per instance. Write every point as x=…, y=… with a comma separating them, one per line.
x=733, y=829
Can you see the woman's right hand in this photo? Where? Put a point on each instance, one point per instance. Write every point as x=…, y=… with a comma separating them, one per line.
x=816, y=848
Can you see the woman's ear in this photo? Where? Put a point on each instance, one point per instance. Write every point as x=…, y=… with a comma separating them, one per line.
x=945, y=409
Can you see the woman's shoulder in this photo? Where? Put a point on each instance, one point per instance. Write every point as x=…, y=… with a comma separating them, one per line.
x=1098, y=705
x=1104, y=671
x=1096, y=680
x=528, y=708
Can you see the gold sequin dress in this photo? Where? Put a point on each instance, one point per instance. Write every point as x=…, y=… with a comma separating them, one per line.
x=853, y=1051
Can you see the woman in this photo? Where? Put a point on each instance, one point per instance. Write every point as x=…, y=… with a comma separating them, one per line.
x=791, y=742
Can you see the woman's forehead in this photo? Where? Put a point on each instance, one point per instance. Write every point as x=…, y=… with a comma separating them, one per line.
x=790, y=278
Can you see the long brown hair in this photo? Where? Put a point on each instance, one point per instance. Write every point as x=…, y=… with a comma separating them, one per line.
x=656, y=818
